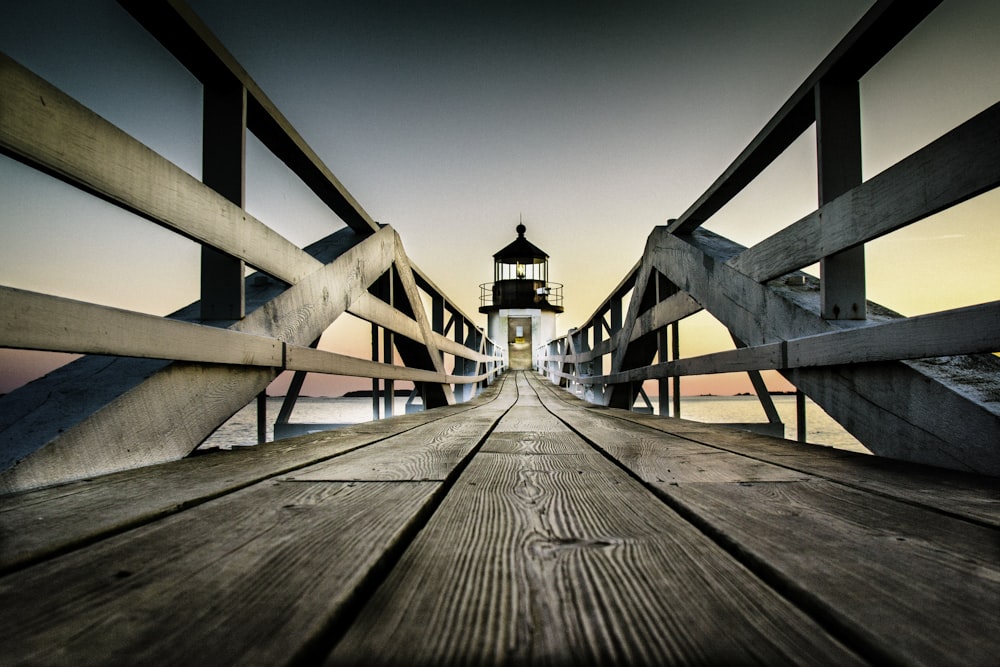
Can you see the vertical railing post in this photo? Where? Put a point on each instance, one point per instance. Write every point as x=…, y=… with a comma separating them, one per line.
x=616, y=327
x=800, y=416
x=461, y=367
x=223, y=169
x=388, y=355
x=838, y=148
x=616, y=316
x=676, y=331
x=662, y=384
x=375, y=381
x=262, y=417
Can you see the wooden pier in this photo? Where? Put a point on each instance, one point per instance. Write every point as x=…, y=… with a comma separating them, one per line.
x=524, y=527
x=509, y=521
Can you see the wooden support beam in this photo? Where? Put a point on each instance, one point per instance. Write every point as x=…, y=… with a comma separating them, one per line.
x=426, y=354
x=146, y=409
x=675, y=329
x=373, y=309
x=388, y=343
x=969, y=330
x=182, y=33
x=223, y=167
x=838, y=148
x=892, y=422
x=635, y=351
x=34, y=321
x=878, y=31
x=961, y=164
x=44, y=127
x=332, y=363
x=760, y=388
x=262, y=417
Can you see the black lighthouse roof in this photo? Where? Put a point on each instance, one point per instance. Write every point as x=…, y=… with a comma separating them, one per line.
x=521, y=251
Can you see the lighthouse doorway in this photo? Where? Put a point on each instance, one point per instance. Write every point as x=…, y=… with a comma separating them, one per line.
x=519, y=343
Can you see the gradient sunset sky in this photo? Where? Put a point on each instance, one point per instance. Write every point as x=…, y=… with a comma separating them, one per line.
x=593, y=122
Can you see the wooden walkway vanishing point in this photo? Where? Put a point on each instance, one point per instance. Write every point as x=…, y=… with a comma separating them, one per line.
x=523, y=527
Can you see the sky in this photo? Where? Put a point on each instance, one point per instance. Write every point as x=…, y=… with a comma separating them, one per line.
x=451, y=121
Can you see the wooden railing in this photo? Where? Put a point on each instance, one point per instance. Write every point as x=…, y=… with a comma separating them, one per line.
x=173, y=380
x=866, y=366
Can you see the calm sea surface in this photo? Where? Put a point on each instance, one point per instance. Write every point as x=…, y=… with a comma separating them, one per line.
x=820, y=428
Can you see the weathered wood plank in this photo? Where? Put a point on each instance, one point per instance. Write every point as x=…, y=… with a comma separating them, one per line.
x=104, y=441
x=969, y=330
x=427, y=453
x=883, y=405
x=299, y=358
x=180, y=30
x=972, y=497
x=959, y=165
x=571, y=561
x=951, y=332
x=878, y=31
x=376, y=311
x=404, y=274
x=258, y=577
x=532, y=442
x=669, y=460
x=38, y=524
x=47, y=128
x=911, y=586
x=34, y=321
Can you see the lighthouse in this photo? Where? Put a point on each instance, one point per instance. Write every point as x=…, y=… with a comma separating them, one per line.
x=521, y=303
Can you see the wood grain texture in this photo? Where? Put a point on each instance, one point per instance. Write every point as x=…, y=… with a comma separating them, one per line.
x=105, y=441
x=426, y=453
x=703, y=545
x=374, y=310
x=884, y=405
x=955, y=167
x=919, y=588
x=569, y=561
x=38, y=524
x=46, y=127
x=36, y=321
x=973, y=497
x=253, y=579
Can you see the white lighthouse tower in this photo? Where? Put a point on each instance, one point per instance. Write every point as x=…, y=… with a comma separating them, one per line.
x=521, y=303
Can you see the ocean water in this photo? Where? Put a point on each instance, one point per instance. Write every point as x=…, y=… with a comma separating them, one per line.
x=821, y=429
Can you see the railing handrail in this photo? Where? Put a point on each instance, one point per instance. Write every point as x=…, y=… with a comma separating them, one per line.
x=774, y=311
x=366, y=272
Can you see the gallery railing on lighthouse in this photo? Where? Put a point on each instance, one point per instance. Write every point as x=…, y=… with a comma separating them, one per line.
x=919, y=388
x=173, y=380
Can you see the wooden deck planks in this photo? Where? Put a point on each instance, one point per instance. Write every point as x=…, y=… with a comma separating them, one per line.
x=904, y=581
x=912, y=588
x=524, y=527
x=261, y=575
x=563, y=558
x=970, y=496
x=35, y=525
x=254, y=578
x=427, y=453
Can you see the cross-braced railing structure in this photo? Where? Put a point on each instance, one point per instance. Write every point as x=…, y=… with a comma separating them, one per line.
x=154, y=388
x=921, y=388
